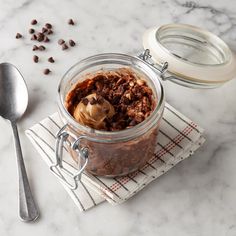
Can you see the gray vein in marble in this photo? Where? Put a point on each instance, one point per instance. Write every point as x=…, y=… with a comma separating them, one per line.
x=229, y=23
x=14, y=12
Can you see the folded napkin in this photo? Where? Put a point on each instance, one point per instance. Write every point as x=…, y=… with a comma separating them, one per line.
x=178, y=138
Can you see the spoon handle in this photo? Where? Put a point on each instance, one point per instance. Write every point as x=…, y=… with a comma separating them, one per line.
x=27, y=208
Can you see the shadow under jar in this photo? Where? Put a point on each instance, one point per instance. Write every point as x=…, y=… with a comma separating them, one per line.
x=110, y=153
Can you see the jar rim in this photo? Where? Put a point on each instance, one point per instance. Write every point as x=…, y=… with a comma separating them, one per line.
x=111, y=136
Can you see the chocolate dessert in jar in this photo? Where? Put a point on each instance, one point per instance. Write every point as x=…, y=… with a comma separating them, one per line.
x=111, y=105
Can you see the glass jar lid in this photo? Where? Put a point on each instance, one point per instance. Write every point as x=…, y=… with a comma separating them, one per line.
x=195, y=57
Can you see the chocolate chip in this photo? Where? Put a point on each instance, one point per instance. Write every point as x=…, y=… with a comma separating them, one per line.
x=49, y=31
x=71, y=22
x=41, y=48
x=35, y=48
x=44, y=30
x=46, y=39
x=99, y=85
x=48, y=26
x=64, y=47
x=50, y=59
x=93, y=101
x=72, y=43
x=40, y=37
x=40, y=34
x=31, y=31
x=34, y=37
x=85, y=101
x=61, y=41
x=100, y=99
x=18, y=36
x=116, y=100
x=34, y=22
x=46, y=71
x=35, y=59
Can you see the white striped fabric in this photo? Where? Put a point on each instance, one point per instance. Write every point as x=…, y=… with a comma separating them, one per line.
x=178, y=138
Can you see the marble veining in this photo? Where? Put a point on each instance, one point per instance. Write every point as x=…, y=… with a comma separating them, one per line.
x=196, y=198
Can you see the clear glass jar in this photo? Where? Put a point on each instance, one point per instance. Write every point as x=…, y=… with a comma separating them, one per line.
x=107, y=153
x=184, y=54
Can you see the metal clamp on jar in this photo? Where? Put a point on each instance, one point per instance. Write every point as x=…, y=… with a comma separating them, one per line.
x=183, y=54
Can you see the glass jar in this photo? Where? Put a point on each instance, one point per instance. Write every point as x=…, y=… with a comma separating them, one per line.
x=107, y=153
x=183, y=54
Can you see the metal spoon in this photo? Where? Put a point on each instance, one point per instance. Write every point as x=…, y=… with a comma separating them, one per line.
x=13, y=103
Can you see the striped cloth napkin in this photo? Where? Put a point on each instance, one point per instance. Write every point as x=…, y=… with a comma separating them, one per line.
x=178, y=138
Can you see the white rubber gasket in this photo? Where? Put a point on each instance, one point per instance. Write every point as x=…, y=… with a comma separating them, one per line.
x=209, y=74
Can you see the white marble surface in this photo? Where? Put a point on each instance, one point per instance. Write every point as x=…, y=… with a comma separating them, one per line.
x=195, y=198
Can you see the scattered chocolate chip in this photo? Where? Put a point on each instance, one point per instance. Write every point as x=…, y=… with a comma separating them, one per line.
x=71, y=22
x=18, y=36
x=35, y=59
x=61, y=41
x=48, y=26
x=31, y=31
x=46, y=71
x=40, y=34
x=64, y=47
x=72, y=43
x=50, y=59
x=93, y=101
x=44, y=30
x=40, y=37
x=34, y=37
x=85, y=101
x=46, y=39
x=41, y=48
x=49, y=31
x=35, y=48
x=34, y=22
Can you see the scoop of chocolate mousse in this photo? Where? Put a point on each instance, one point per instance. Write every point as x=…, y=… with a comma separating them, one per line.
x=93, y=110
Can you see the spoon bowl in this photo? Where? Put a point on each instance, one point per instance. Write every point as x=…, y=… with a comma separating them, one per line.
x=13, y=91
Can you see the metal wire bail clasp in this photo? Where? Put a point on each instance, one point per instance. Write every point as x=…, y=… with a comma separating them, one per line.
x=58, y=169
x=161, y=69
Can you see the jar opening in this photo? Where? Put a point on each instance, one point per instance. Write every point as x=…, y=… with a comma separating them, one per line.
x=111, y=61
